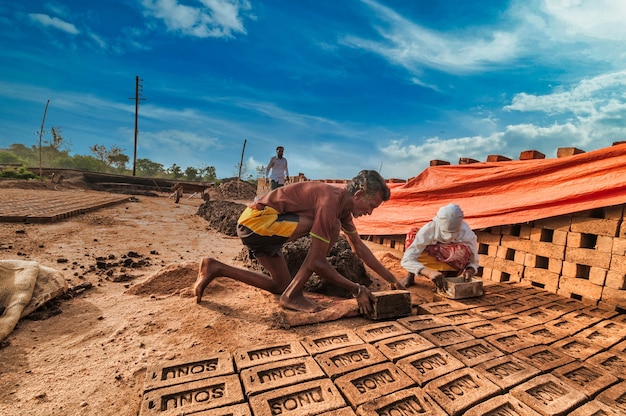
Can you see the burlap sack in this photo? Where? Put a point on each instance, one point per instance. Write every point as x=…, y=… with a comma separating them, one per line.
x=25, y=286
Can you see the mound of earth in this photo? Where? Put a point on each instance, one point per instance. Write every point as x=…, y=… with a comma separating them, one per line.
x=222, y=216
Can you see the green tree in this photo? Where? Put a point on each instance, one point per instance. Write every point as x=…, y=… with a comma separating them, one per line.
x=174, y=171
x=191, y=173
x=146, y=167
x=208, y=173
x=116, y=158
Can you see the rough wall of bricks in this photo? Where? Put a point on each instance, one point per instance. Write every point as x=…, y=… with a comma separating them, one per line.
x=580, y=256
x=516, y=350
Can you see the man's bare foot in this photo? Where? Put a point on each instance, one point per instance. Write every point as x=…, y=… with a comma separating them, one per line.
x=408, y=280
x=299, y=303
x=206, y=274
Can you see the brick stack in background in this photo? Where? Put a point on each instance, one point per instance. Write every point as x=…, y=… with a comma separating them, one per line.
x=580, y=255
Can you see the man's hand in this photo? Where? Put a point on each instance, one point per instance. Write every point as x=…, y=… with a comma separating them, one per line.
x=364, y=299
x=437, y=277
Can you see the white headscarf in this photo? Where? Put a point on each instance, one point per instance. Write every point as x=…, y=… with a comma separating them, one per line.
x=449, y=221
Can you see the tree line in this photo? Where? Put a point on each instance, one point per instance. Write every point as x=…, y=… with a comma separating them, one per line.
x=55, y=153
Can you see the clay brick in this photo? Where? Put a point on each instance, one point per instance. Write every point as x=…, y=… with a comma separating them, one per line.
x=189, y=369
x=614, y=397
x=513, y=269
x=344, y=360
x=585, y=377
x=605, y=244
x=498, y=158
x=505, y=405
x=428, y=365
x=564, y=305
x=317, y=344
x=597, y=276
x=402, y=346
x=614, y=297
x=541, y=316
x=437, y=162
x=568, y=151
x=459, y=317
x=491, y=311
x=518, y=321
x=344, y=411
x=411, y=401
x=235, y=410
x=417, y=323
x=615, y=280
x=484, y=328
x=370, y=383
x=618, y=263
x=488, y=238
x=193, y=396
x=460, y=390
x=544, y=357
x=577, y=347
x=588, y=257
x=264, y=354
x=566, y=326
x=560, y=223
x=260, y=378
x=446, y=335
x=544, y=335
x=546, y=279
x=515, y=306
x=605, y=334
x=516, y=291
x=474, y=352
x=391, y=304
x=590, y=315
x=611, y=361
x=596, y=226
x=619, y=246
x=614, y=212
x=507, y=371
x=548, y=395
x=594, y=408
x=539, y=248
x=381, y=330
x=308, y=398
x=531, y=154
x=511, y=341
x=582, y=288
x=436, y=308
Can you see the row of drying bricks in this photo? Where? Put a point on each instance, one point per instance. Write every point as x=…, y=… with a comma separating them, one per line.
x=418, y=365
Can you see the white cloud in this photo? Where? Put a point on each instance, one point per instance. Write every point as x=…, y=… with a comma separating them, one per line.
x=601, y=19
x=586, y=99
x=54, y=22
x=210, y=18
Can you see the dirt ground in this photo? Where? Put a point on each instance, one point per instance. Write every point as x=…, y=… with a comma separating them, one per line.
x=87, y=353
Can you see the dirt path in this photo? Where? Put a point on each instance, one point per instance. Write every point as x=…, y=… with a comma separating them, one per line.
x=91, y=358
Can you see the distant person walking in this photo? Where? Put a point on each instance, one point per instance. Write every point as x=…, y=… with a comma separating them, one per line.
x=278, y=166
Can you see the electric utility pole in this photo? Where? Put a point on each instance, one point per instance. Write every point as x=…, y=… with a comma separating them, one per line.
x=137, y=98
x=41, y=134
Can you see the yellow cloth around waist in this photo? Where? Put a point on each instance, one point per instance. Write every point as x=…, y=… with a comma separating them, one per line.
x=266, y=222
x=432, y=263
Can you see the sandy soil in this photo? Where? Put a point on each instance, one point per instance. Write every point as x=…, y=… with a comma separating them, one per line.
x=89, y=353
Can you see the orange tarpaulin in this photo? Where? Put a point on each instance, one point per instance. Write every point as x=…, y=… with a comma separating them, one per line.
x=500, y=193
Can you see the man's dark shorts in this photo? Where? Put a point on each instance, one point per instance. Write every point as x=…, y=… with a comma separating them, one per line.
x=262, y=245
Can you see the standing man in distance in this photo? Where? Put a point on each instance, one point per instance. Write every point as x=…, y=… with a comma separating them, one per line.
x=278, y=166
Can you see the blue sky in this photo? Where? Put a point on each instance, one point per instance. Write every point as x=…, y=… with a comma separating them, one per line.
x=342, y=85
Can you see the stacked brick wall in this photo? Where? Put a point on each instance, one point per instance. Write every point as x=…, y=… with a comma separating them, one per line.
x=580, y=255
